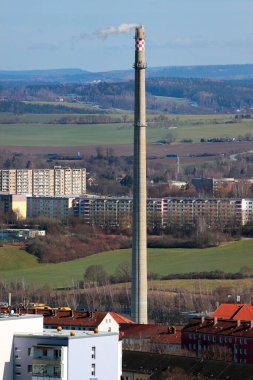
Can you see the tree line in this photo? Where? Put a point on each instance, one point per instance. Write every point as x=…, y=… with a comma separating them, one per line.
x=203, y=95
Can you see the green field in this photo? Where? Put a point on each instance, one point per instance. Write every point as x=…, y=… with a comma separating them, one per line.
x=33, y=130
x=178, y=101
x=231, y=257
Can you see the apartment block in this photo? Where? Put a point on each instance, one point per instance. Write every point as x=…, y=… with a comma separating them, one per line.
x=27, y=352
x=217, y=186
x=165, y=212
x=8, y=181
x=104, y=211
x=216, y=212
x=226, y=339
x=247, y=211
x=24, y=178
x=50, y=207
x=66, y=355
x=11, y=324
x=44, y=182
x=12, y=203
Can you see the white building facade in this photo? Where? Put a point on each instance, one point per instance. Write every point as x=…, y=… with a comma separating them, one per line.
x=67, y=355
x=10, y=325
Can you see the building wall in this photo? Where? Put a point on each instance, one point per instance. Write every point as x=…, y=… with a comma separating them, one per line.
x=219, y=346
x=247, y=211
x=79, y=354
x=164, y=212
x=109, y=324
x=107, y=358
x=14, y=203
x=51, y=207
x=8, y=327
x=8, y=181
x=25, y=345
x=44, y=182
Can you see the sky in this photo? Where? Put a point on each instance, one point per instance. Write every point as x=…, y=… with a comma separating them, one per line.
x=50, y=34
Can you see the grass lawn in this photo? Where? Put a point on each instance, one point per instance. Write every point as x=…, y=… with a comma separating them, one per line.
x=229, y=258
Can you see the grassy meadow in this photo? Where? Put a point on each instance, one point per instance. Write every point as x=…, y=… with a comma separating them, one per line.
x=16, y=264
x=35, y=130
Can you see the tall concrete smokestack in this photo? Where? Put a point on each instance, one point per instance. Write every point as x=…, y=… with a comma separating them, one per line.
x=139, y=250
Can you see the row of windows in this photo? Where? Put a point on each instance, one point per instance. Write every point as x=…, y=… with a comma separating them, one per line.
x=220, y=339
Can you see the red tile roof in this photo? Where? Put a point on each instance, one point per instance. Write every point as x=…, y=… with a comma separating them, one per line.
x=73, y=318
x=220, y=326
x=85, y=319
x=154, y=333
x=82, y=318
x=120, y=319
x=243, y=312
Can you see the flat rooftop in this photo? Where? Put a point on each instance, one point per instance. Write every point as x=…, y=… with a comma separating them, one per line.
x=14, y=317
x=69, y=334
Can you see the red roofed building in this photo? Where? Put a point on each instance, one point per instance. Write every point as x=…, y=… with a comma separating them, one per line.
x=230, y=340
x=242, y=312
x=77, y=320
x=85, y=320
x=150, y=337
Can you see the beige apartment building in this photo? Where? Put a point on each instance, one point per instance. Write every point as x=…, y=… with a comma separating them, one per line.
x=50, y=207
x=12, y=203
x=165, y=212
x=44, y=182
x=108, y=212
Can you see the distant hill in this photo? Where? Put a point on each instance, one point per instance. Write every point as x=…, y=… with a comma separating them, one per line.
x=225, y=72
x=164, y=94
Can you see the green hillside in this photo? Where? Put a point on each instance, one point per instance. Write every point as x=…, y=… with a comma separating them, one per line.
x=16, y=264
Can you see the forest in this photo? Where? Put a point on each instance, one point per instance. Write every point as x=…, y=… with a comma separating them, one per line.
x=168, y=95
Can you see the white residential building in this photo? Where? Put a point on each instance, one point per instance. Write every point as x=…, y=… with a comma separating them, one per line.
x=247, y=211
x=68, y=355
x=10, y=325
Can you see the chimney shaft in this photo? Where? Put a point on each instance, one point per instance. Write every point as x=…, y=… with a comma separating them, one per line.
x=139, y=247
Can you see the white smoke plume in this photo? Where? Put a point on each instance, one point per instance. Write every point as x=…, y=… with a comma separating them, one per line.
x=122, y=28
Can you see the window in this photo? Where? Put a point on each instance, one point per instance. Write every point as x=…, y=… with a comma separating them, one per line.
x=29, y=368
x=57, y=354
x=29, y=351
x=93, y=369
x=93, y=352
x=44, y=352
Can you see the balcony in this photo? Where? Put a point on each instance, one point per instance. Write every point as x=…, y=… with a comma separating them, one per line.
x=46, y=372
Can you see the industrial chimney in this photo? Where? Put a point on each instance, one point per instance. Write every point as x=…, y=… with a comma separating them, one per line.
x=139, y=248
